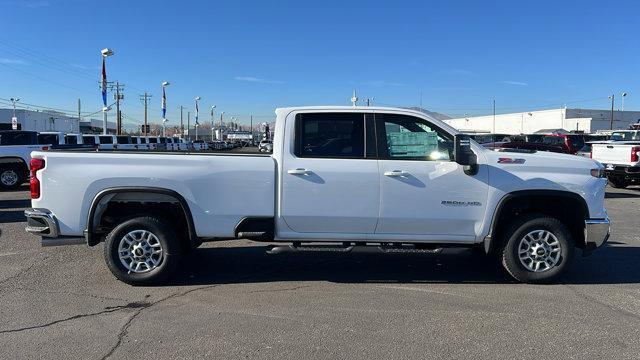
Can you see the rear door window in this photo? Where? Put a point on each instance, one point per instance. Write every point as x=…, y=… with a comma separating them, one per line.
x=330, y=135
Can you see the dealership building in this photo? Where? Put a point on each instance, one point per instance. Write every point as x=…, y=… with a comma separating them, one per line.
x=584, y=120
x=33, y=120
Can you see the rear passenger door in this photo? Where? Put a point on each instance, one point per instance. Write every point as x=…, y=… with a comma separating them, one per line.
x=330, y=183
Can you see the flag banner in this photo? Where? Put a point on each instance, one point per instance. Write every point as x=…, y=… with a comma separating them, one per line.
x=164, y=104
x=197, y=111
x=104, y=82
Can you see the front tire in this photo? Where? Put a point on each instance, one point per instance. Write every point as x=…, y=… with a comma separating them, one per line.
x=619, y=182
x=142, y=251
x=539, y=249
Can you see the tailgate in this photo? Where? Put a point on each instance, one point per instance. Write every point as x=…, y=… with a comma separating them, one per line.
x=612, y=153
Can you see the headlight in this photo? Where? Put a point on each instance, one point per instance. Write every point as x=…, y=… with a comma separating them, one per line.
x=599, y=173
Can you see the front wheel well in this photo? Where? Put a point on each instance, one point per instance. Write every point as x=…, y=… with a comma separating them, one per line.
x=568, y=208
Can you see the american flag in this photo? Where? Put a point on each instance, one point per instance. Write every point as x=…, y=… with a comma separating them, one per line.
x=104, y=83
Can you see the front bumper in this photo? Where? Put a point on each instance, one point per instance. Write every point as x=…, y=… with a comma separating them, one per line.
x=596, y=233
x=43, y=223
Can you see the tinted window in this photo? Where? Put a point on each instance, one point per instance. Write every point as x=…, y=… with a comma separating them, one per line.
x=407, y=137
x=106, y=140
x=17, y=138
x=330, y=135
x=163, y=140
x=577, y=141
x=71, y=139
x=48, y=139
x=152, y=140
x=123, y=139
x=90, y=140
x=553, y=140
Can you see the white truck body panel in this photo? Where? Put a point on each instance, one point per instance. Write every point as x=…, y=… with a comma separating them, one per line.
x=219, y=190
x=614, y=152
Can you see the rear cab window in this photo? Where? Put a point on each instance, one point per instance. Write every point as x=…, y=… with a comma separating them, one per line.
x=71, y=139
x=89, y=140
x=48, y=139
x=123, y=139
x=105, y=140
x=18, y=138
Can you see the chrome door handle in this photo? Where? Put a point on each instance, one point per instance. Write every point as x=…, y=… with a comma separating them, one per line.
x=298, y=171
x=396, y=173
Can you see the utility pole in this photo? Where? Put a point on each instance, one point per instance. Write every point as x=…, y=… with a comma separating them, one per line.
x=612, y=97
x=145, y=100
x=188, y=124
x=118, y=96
x=79, y=116
x=181, y=123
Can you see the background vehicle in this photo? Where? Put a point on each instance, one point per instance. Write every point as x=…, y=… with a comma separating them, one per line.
x=15, y=152
x=415, y=184
x=626, y=135
x=265, y=146
x=621, y=160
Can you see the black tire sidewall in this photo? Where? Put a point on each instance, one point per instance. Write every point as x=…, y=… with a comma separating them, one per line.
x=510, y=258
x=165, y=235
x=619, y=183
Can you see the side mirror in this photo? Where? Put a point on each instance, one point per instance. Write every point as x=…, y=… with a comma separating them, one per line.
x=464, y=155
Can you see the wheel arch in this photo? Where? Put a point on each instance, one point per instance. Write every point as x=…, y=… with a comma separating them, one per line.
x=507, y=202
x=109, y=193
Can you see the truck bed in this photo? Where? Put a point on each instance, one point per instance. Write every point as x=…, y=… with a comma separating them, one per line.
x=219, y=188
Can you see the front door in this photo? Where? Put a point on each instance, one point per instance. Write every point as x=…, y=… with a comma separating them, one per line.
x=330, y=182
x=423, y=192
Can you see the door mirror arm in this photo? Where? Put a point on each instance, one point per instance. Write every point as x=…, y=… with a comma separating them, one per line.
x=464, y=155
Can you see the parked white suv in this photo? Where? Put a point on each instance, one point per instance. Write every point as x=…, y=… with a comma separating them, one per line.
x=343, y=176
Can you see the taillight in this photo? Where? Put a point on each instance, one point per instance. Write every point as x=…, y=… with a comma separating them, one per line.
x=34, y=183
x=635, y=153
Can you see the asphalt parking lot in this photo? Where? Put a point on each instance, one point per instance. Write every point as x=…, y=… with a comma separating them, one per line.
x=234, y=301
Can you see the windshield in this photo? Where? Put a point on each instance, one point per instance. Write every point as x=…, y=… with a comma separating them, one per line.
x=624, y=136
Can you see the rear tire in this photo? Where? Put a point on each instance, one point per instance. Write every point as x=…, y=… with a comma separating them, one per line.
x=11, y=176
x=619, y=182
x=142, y=251
x=538, y=249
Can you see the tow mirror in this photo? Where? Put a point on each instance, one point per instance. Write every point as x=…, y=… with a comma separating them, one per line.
x=464, y=155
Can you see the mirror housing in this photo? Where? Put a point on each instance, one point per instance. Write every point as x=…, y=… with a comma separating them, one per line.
x=464, y=155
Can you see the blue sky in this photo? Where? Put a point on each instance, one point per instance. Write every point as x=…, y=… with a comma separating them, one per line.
x=248, y=57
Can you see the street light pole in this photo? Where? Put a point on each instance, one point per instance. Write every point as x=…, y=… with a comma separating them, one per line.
x=212, y=112
x=197, y=113
x=105, y=53
x=612, y=97
x=624, y=95
x=14, y=101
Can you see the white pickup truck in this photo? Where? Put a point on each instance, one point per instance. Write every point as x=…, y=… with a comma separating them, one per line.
x=620, y=157
x=339, y=178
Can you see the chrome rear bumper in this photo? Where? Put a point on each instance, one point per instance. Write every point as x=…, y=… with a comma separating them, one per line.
x=43, y=223
x=596, y=232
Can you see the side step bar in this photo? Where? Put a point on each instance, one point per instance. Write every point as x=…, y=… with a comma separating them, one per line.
x=347, y=247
